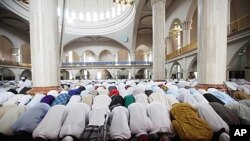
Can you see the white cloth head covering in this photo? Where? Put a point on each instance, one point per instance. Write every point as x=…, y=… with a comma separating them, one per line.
x=53, y=93
x=202, y=91
x=102, y=91
x=36, y=99
x=141, y=98
x=74, y=100
x=157, y=97
x=102, y=100
x=90, y=88
x=210, y=90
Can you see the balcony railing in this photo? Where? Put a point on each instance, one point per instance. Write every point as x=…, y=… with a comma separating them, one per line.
x=12, y=63
x=182, y=51
x=239, y=24
x=96, y=64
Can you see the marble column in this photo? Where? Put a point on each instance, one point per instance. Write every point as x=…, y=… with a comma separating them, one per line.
x=169, y=44
x=212, y=41
x=158, y=10
x=132, y=55
x=44, y=45
x=186, y=26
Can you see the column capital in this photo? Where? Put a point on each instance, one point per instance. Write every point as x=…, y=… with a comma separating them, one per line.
x=156, y=1
x=186, y=25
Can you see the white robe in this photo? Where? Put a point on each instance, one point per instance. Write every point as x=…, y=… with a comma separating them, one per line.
x=139, y=122
x=98, y=114
x=119, y=125
x=200, y=98
x=207, y=113
x=51, y=124
x=5, y=96
x=74, y=100
x=74, y=124
x=36, y=99
x=13, y=100
x=157, y=97
x=10, y=118
x=160, y=117
x=103, y=100
x=24, y=100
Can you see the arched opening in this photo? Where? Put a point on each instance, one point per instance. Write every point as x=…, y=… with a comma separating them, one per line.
x=140, y=55
x=122, y=73
x=123, y=56
x=89, y=56
x=71, y=56
x=176, y=71
x=141, y=74
x=143, y=53
x=82, y=74
x=6, y=74
x=5, y=49
x=25, y=51
x=106, y=56
x=27, y=73
x=193, y=69
x=239, y=65
x=103, y=74
x=64, y=75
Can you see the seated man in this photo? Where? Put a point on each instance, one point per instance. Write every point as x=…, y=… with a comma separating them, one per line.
x=24, y=82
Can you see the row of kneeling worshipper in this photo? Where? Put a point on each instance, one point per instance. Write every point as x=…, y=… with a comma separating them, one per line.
x=144, y=111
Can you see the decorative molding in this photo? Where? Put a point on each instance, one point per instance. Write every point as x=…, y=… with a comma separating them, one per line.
x=186, y=25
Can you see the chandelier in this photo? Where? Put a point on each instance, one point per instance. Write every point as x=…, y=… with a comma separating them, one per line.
x=124, y=2
x=177, y=29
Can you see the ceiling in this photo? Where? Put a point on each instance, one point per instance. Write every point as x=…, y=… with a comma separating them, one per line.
x=145, y=25
x=92, y=38
x=11, y=19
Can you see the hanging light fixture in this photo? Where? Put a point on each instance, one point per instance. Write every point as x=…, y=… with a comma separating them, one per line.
x=124, y=2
